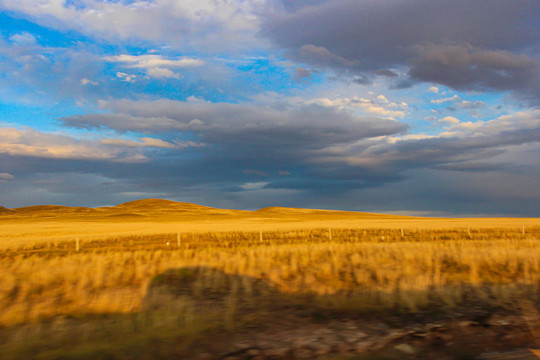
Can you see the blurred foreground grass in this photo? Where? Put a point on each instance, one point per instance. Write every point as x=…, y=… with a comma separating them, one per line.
x=55, y=300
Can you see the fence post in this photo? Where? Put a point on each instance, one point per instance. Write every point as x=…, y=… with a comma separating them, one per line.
x=469, y=229
x=523, y=229
x=260, y=236
x=402, y=234
x=77, y=247
x=329, y=234
x=178, y=239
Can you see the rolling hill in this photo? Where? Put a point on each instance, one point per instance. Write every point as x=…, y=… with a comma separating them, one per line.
x=4, y=210
x=171, y=210
x=161, y=207
x=51, y=210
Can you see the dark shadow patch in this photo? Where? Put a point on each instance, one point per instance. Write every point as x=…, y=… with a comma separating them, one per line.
x=211, y=290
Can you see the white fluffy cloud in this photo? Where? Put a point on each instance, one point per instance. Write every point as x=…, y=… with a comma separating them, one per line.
x=24, y=38
x=450, y=99
x=150, y=61
x=30, y=142
x=380, y=107
x=85, y=81
x=156, y=66
x=206, y=24
x=33, y=143
x=449, y=120
x=147, y=142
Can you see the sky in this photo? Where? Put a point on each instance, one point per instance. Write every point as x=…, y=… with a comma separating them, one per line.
x=416, y=107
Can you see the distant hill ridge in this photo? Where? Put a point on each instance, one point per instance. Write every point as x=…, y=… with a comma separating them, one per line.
x=156, y=208
x=4, y=210
x=279, y=209
x=59, y=209
x=137, y=208
x=163, y=207
x=160, y=204
x=286, y=211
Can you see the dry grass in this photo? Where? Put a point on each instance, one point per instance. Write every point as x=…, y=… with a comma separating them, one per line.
x=378, y=266
x=359, y=270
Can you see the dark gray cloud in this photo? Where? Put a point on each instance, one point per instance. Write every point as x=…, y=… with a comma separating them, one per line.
x=304, y=75
x=332, y=158
x=361, y=80
x=472, y=166
x=245, y=142
x=465, y=67
x=324, y=150
x=483, y=44
x=282, y=128
x=386, y=72
x=459, y=149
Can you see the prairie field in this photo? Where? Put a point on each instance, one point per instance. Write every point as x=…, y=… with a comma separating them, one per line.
x=161, y=280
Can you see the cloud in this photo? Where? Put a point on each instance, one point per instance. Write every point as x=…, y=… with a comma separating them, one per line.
x=29, y=142
x=85, y=81
x=471, y=166
x=360, y=141
x=48, y=72
x=204, y=24
x=126, y=77
x=361, y=80
x=457, y=102
x=450, y=120
x=270, y=139
x=446, y=100
x=237, y=140
x=290, y=125
x=156, y=66
x=465, y=67
x=462, y=143
x=304, y=75
x=380, y=107
x=153, y=61
x=439, y=41
x=351, y=151
x=147, y=142
x=322, y=56
x=162, y=73
x=293, y=5
x=289, y=157
x=5, y=177
x=255, y=172
x=78, y=73
x=386, y=72
x=24, y=38
x=254, y=186
x=471, y=104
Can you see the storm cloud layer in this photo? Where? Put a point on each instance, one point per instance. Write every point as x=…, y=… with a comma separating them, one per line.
x=470, y=45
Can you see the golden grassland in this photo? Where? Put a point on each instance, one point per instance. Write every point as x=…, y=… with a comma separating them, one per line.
x=354, y=262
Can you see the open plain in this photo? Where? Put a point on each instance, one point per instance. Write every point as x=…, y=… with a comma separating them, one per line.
x=156, y=279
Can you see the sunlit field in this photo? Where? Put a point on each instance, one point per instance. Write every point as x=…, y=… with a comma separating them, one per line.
x=85, y=286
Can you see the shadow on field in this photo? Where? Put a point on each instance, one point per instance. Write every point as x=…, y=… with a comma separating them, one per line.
x=209, y=289
x=205, y=313
x=260, y=322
